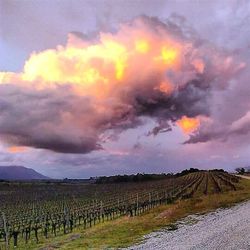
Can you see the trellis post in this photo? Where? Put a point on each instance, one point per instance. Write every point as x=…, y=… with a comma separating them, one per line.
x=6, y=231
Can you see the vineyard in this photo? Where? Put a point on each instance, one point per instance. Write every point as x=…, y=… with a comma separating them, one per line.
x=35, y=210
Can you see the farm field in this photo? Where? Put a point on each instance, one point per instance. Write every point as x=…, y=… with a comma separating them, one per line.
x=34, y=214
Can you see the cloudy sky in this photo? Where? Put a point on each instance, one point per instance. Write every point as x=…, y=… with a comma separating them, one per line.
x=105, y=87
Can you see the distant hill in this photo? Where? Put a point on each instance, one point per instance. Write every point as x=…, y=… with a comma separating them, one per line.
x=19, y=173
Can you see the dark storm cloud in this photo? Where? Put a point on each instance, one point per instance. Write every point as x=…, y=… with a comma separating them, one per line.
x=36, y=119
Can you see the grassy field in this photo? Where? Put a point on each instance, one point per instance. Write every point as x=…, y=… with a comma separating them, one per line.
x=126, y=230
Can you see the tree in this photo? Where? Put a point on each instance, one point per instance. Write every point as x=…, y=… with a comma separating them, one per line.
x=240, y=170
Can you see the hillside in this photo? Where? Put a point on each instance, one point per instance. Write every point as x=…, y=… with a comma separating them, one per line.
x=19, y=173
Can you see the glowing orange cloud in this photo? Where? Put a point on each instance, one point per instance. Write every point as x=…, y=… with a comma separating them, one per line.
x=98, y=68
x=142, y=46
x=131, y=56
x=165, y=87
x=188, y=125
x=17, y=149
x=169, y=55
x=199, y=65
x=89, y=88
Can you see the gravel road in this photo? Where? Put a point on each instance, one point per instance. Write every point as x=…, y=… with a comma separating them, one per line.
x=222, y=229
x=243, y=176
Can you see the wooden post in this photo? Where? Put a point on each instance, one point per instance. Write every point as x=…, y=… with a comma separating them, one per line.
x=6, y=231
x=66, y=212
x=101, y=212
x=149, y=200
x=137, y=203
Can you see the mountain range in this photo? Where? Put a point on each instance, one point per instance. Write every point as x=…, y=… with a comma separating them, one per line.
x=20, y=173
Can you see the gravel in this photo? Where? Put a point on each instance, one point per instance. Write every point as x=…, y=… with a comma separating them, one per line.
x=222, y=229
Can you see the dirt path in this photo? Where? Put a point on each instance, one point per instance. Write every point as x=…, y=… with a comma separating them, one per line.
x=223, y=229
x=243, y=176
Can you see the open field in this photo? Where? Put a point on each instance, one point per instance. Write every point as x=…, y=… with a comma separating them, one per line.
x=84, y=215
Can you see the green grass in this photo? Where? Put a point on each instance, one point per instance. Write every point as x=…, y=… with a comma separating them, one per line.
x=126, y=231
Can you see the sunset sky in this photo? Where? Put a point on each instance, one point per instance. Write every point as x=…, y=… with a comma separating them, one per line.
x=106, y=87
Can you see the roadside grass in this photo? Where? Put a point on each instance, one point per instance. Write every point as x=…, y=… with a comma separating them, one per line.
x=126, y=231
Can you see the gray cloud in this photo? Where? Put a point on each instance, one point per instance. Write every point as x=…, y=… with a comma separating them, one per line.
x=239, y=129
x=36, y=119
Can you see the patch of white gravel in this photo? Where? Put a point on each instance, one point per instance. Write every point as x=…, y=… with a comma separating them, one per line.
x=222, y=229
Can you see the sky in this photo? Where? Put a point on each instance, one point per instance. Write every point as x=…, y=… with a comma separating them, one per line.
x=104, y=87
